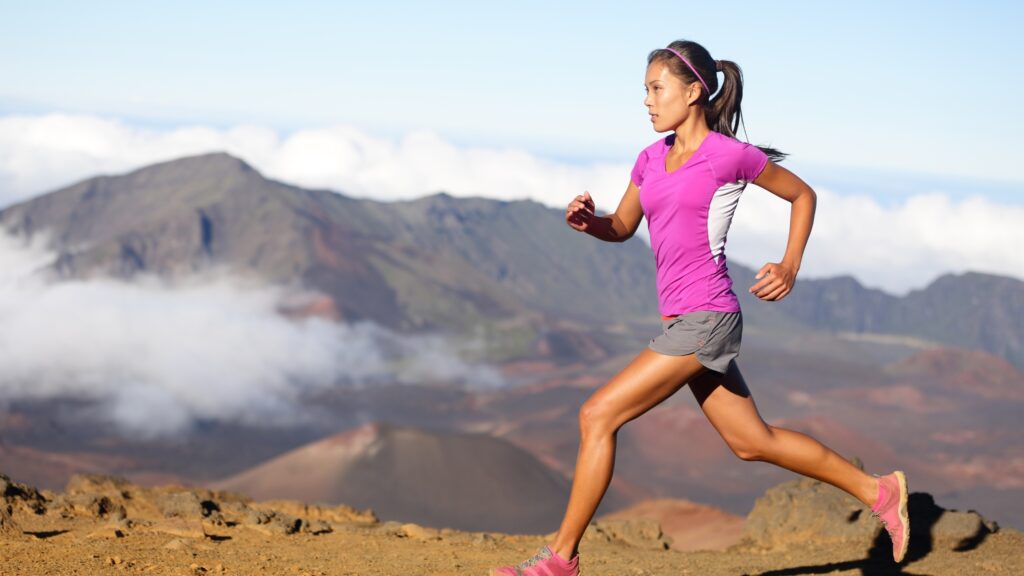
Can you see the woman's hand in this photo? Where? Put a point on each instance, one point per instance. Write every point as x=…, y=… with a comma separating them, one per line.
x=579, y=212
x=776, y=280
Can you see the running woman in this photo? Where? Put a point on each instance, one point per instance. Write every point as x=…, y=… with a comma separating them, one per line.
x=687, y=185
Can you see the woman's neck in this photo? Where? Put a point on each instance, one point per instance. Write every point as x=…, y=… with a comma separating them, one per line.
x=691, y=133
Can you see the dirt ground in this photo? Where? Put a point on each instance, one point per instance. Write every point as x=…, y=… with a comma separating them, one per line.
x=51, y=544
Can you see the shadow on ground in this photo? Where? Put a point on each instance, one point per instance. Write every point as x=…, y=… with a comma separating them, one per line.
x=924, y=514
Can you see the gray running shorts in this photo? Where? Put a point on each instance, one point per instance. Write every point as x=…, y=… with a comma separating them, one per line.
x=714, y=337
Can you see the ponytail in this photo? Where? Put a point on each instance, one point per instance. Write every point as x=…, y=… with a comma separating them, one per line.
x=723, y=113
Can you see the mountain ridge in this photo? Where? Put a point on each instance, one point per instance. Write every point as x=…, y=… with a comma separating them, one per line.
x=455, y=264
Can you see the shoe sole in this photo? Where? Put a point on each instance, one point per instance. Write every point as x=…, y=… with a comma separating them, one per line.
x=904, y=517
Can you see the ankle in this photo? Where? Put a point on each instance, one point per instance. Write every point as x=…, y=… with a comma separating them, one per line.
x=874, y=492
x=566, y=552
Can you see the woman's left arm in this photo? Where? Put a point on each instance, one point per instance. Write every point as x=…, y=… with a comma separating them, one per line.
x=777, y=278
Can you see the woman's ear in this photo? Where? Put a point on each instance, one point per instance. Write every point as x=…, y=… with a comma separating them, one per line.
x=693, y=93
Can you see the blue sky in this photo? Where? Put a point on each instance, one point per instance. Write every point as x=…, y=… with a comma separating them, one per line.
x=906, y=111
x=921, y=87
x=902, y=115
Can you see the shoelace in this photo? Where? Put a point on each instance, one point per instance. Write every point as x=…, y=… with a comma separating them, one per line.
x=541, y=555
x=885, y=524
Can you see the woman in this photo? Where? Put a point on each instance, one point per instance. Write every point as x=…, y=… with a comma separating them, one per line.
x=687, y=185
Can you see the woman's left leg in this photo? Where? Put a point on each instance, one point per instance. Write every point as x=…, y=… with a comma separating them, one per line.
x=729, y=406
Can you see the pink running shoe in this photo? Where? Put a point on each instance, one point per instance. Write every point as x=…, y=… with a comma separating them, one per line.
x=544, y=563
x=891, y=509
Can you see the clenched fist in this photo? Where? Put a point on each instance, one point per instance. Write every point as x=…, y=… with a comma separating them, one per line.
x=579, y=212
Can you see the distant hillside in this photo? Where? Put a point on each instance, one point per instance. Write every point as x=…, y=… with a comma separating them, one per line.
x=458, y=264
x=970, y=310
x=434, y=261
x=456, y=480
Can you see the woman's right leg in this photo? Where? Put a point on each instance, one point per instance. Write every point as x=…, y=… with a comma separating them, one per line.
x=648, y=380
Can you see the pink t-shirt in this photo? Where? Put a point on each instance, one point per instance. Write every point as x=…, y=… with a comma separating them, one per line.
x=688, y=213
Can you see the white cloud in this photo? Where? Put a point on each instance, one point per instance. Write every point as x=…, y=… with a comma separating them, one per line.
x=896, y=247
x=42, y=153
x=156, y=356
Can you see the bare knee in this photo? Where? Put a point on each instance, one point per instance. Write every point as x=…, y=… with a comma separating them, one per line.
x=596, y=418
x=753, y=448
x=748, y=453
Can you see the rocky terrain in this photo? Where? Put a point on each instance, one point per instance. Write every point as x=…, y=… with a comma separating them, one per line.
x=102, y=524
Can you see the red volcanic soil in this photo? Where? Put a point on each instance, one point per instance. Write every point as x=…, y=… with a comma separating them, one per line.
x=444, y=479
x=51, y=470
x=970, y=371
x=691, y=526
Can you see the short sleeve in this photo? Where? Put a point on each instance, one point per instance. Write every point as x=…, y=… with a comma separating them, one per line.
x=637, y=175
x=752, y=162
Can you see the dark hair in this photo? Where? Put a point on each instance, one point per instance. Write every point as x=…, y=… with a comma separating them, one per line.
x=722, y=112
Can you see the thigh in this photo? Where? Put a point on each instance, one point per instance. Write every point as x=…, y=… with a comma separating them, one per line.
x=644, y=383
x=729, y=405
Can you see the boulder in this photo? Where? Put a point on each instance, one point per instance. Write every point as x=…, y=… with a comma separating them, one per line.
x=21, y=496
x=807, y=509
x=7, y=525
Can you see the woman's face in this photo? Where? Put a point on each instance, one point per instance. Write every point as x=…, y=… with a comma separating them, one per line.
x=668, y=99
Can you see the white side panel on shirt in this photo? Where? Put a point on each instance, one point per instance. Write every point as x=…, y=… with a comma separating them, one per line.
x=723, y=205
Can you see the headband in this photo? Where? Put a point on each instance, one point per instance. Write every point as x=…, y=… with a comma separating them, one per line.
x=687, y=62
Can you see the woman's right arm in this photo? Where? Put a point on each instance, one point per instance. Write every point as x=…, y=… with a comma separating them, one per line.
x=618, y=226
